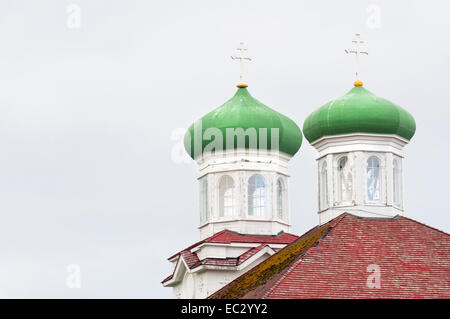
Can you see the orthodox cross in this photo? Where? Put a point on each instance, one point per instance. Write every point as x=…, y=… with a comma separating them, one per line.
x=357, y=52
x=241, y=57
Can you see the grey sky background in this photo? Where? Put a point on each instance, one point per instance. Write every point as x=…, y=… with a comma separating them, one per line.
x=87, y=117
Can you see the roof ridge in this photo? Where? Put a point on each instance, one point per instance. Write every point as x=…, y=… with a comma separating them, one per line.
x=423, y=224
x=300, y=258
x=335, y=221
x=198, y=243
x=387, y=218
x=288, y=271
x=280, y=233
x=258, y=248
x=211, y=238
x=197, y=262
x=396, y=217
x=187, y=248
x=253, y=248
x=217, y=234
x=265, y=269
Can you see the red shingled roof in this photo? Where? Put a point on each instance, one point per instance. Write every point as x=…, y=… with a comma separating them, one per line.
x=250, y=253
x=190, y=258
x=413, y=259
x=227, y=237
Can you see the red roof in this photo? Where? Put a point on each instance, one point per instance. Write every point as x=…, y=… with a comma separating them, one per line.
x=341, y=259
x=227, y=237
x=250, y=253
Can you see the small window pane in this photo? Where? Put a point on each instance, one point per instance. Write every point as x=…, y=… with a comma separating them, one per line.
x=226, y=196
x=345, y=180
x=256, y=196
x=373, y=179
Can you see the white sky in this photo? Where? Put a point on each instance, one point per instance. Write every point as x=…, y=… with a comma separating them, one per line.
x=87, y=115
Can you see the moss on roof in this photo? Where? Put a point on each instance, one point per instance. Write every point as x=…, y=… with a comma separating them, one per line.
x=264, y=271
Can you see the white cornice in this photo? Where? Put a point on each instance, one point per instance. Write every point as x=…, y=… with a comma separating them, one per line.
x=244, y=219
x=360, y=142
x=242, y=160
x=241, y=153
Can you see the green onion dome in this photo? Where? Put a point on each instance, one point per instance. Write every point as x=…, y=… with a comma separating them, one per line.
x=244, y=112
x=359, y=111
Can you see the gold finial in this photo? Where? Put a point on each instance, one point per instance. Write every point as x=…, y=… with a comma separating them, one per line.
x=241, y=57
x=358, y=83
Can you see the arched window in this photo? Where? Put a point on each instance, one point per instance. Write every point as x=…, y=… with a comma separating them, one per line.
x=256, y=196
x=397, y=182
x=345, y=180
x=280, y=198
x=204, y=215
x=323, y=186
x=226, y=196
x=373, y=179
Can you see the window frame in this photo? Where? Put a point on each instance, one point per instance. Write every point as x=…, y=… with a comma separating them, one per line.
x=262, y=198
x=379, y=179
x=229, y=185
x=338, y=186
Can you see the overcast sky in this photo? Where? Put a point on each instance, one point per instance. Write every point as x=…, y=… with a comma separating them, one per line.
x=87, y=116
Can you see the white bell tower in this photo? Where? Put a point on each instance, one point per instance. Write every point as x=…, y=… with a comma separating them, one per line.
x=246, y=191
x=361, y=174
x=360, y=139
x=243, y=149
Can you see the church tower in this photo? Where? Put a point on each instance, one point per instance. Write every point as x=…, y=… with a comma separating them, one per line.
x=243, y=149
x=360, y=139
